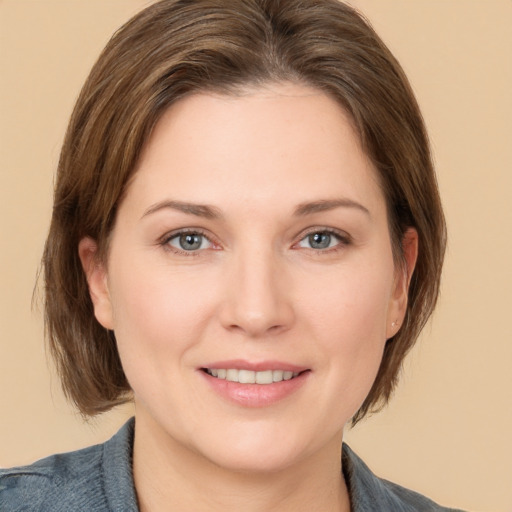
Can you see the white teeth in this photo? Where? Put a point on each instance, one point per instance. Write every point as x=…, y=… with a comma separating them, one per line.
x=265, y=377
x=250, y=377
x=246, y=377
x=277, y=375
x=232, y=375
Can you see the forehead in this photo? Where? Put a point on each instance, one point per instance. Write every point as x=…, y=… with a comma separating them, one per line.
x=279, y=142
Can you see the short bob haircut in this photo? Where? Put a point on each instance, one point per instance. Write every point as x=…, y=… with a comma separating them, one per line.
x=175, y=48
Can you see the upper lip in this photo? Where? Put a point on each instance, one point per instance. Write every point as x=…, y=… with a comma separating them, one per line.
x=260, y=366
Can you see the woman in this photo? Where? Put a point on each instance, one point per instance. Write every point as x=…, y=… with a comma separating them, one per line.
x=246, y=240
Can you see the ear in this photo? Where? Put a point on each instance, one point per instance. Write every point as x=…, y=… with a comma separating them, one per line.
x=96, y=275
x=403, y=275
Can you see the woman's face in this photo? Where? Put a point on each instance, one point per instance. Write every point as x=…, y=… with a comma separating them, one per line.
x=252, y=245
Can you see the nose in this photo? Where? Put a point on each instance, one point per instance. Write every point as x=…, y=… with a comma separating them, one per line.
x=257, y=301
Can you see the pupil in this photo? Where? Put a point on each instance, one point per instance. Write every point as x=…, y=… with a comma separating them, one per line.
x=189, y=242
x=320, y=240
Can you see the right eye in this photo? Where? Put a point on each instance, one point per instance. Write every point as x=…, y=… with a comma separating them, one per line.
x=189, y=242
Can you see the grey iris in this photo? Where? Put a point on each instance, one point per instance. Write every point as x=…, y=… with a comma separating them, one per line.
x=319, y=240
x=190, y=241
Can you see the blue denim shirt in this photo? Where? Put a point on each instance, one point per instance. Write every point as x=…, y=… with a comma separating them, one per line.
x=99, y=479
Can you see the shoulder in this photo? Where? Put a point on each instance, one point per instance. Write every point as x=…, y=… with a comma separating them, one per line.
x=70, y=481
x=51, y=483
x=75, y=481
x=370, y=493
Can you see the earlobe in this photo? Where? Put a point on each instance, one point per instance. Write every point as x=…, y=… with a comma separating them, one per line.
x=96, y=275
x=403, y=277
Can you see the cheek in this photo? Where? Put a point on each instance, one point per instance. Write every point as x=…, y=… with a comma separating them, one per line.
x=355, y=339
x=157, y=308
x=350, y=306
x=348, y=321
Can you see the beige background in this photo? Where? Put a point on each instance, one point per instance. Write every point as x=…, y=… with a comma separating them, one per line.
x=447, y=431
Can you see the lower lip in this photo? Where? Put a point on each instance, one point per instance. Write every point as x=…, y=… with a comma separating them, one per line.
x=255, y=395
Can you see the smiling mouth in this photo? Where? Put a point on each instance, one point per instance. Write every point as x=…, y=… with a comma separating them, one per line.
x=251, y=377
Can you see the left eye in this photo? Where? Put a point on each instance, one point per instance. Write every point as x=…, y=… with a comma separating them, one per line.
x=189, y=242
x=320, y=240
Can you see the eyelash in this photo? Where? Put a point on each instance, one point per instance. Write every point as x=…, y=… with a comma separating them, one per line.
x=166, y=239
x=343, y=240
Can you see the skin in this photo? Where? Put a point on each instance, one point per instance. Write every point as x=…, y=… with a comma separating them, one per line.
x=255, y=290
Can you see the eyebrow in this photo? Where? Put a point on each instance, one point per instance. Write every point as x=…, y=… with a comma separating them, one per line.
x=211, y=212
x=199, y=210
x=328, y=204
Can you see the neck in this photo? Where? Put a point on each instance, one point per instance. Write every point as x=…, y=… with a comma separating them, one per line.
x=169, y=476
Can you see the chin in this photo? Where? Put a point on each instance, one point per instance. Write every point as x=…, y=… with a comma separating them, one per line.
x=262, y=462
x=258, y=451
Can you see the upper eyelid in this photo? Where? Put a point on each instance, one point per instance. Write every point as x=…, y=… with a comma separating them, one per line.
x=183, y=231
x=331, y=231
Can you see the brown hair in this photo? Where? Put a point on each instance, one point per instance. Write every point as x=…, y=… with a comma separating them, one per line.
x=174, y=48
